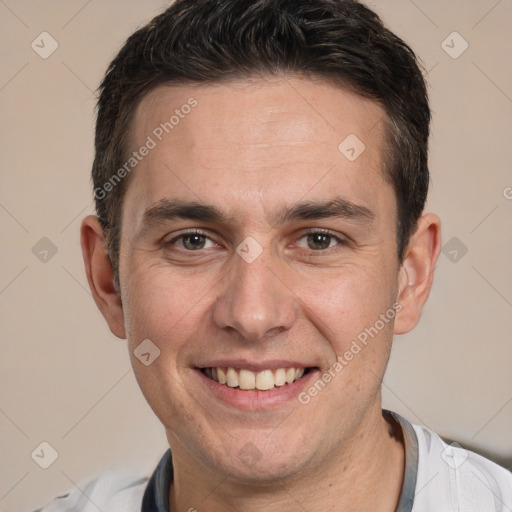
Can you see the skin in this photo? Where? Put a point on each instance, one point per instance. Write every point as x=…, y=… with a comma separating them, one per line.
x=251, y=148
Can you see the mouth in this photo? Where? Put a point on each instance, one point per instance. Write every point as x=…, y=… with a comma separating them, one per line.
x=248, y=380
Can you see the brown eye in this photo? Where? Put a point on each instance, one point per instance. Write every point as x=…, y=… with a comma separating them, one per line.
x=193, y=241
x=319, y=241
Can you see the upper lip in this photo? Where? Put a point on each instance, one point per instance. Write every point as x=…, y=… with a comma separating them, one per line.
x=259, y=366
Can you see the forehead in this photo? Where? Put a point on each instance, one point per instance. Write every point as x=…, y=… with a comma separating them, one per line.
x=269, y=139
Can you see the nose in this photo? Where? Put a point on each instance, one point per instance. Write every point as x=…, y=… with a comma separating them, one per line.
x=254, y=301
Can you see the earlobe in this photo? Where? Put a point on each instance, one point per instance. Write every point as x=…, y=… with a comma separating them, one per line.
x=417, y=272
x=100, y=275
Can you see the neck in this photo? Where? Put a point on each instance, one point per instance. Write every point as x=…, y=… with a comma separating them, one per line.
x=365, y=474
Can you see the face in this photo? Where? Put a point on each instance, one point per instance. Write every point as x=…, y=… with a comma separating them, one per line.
x=255, y=249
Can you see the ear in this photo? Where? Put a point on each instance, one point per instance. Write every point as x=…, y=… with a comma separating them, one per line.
x=101, y=275
x=417, y=272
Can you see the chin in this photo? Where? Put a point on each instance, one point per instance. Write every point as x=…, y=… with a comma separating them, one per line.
x=257, y=460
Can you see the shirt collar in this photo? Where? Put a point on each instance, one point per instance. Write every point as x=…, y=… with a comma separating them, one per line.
x=406, y=500
x=156, y=496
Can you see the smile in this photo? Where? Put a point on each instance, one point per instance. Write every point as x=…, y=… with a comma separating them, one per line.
x=265, y=380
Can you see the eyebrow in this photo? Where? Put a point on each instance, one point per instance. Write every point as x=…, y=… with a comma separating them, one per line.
x=170, y=209
x=338, y=207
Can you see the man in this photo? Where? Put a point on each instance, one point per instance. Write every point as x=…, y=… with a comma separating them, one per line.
x=260, y=179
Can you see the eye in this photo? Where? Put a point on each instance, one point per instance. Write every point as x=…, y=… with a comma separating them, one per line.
x=320, y=240
x=192, y=241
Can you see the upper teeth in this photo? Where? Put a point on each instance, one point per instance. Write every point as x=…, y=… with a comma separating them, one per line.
x=246, y=379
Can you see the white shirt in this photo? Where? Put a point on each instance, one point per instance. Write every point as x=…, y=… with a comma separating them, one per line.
x=438, y=478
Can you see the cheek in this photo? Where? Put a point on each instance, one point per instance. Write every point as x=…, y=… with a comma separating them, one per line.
x=347, y=302
x=160, y=304
x=159, y=308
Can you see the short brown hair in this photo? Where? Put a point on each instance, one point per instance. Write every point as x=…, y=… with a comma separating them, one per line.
x=213, y=41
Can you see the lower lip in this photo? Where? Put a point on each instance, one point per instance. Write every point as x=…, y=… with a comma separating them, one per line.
x=256, y=400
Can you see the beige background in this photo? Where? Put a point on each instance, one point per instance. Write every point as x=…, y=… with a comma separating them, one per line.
x=66, y=380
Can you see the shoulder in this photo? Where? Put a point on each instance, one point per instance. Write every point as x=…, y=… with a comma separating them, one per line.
x=108, y=492
x=452, y=478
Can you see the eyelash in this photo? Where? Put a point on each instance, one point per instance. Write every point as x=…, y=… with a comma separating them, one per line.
x=341, y=241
